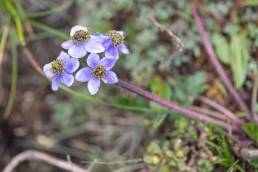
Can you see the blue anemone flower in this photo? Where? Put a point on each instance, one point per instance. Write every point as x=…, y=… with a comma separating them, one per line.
x=82, y=42
x=60, y=70
x=113, y=43
x=97, y=70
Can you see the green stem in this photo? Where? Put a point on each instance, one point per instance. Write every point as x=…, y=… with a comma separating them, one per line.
x=13, y=78
x=2, y=49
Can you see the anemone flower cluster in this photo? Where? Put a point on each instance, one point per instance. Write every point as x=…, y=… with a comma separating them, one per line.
x=99, y=51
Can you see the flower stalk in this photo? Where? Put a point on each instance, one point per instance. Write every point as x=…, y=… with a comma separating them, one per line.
x=172, y=106
x=214, y=60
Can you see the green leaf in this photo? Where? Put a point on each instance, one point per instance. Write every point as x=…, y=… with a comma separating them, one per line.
x=222, y=48
x=251, y=129
x=239, y=59
x=50, y=30
x=250, y=2
x=187, y=88
x=9, y=7
x=254, y=163
x=158, y=121
x=162, y=89
x=19, y=30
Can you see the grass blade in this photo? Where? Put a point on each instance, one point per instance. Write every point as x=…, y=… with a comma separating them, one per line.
x=13, y=77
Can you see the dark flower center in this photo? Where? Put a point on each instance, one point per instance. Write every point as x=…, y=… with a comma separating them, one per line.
x=80, y=36
x=99, y=72
x=116, y=37
x=57, y=66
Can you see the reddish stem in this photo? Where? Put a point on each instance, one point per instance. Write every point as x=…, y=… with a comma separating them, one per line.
x=189, y=113
x=214, y=60
x=222, y=109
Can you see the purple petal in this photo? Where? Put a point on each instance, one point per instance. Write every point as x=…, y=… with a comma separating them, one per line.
x=106, y=42
x=110, y=78
x=108, y=63
x=71, y=65
x=122, y=48
x=77, y=51
x=93, y=60
x=84, y=74
x=63, y=56
x=48, y=70
x=97, y=38
x=93, y=46
x=56, y=82
x=67, y=79
x=67, y=44
x=93, y=85
x=112, y=52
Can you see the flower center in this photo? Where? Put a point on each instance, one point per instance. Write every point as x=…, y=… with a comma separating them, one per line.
x=80, y=36
x=99, y=72
x=116, y=37
x=57, y=66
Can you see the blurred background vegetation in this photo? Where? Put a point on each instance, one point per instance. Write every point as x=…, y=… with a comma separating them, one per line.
x=121, y=131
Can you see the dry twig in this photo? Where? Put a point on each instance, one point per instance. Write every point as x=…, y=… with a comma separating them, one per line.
x=32, y=155
x=221, y=109
x=177, y=42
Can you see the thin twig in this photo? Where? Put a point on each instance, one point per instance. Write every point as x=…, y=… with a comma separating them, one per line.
x=172, y=106
x=245, y=153
x=178, y=43
x=32, y=61
x=68, y=157
x=92, y=165
x=32, y=155
x=131, y=168
x=221, y=109
x=210, y=113
x=130, y=161
x=214, y=60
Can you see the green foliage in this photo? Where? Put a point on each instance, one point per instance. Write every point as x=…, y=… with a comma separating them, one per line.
x=162, y=89
x=172, y=154
x=254, y=163
x=183, y=89
x=176, y=139
x=14, y=11
x=251, y=130
x=234, y=54
x=224, y=153
x=187, y=88
x=222, y=48
x=239, y=59
x=225, y=156
x=150, y=51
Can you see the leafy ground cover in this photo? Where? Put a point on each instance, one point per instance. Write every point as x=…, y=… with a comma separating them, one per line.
x=117, y=130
